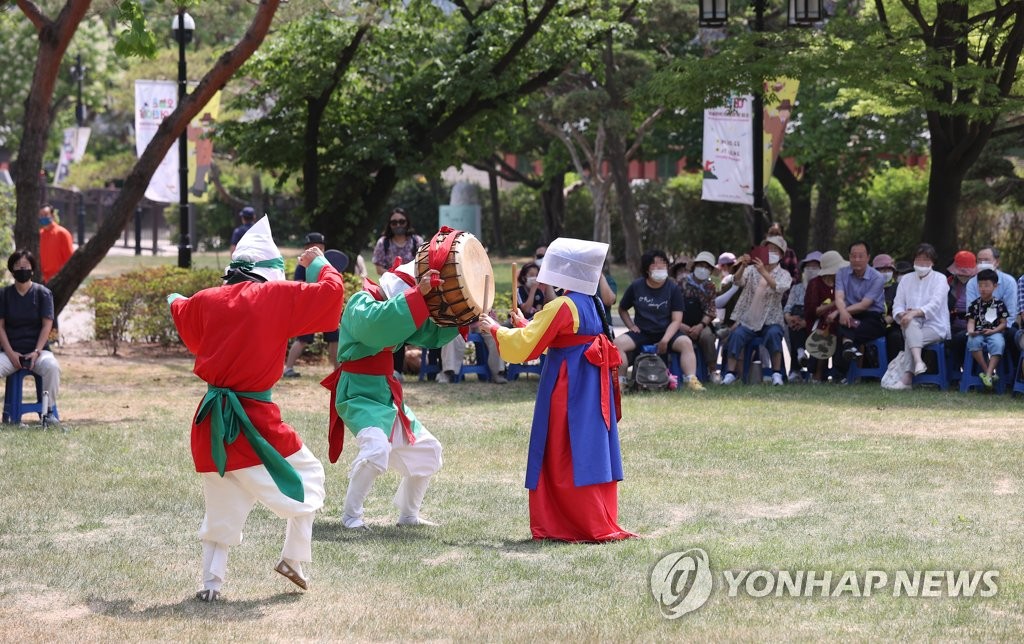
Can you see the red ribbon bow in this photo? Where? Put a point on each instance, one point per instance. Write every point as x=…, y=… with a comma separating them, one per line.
x=603, y=353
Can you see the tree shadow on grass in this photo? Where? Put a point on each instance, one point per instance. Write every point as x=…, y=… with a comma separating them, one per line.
x=189, y=608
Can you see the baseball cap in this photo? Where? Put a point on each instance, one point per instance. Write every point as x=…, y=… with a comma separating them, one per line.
x=247, y=213
x=314, y=238
x=726, y=258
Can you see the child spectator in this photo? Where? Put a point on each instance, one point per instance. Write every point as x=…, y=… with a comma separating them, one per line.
x=986, y=321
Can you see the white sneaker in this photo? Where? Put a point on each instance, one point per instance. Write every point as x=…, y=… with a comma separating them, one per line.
x=442, y=378
x=729, y=379
x=777, y=379
x=794, y=377
x=716, y=378
x=499, y=380
x=920, y=368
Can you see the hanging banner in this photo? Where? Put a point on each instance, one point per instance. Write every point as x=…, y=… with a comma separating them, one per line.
x=71, y=151
x=154, y=100
x=728, y=153
x=780, y=97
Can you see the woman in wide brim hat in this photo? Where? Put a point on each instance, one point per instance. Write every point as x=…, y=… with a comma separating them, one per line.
x=820, y=310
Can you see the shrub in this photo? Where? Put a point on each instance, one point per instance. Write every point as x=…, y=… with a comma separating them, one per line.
x=133, y=307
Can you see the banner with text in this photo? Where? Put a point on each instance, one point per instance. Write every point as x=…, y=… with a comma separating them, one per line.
x=154, y=100
x=728, y=152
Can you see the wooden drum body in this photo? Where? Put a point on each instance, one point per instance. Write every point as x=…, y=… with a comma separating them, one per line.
x=467, y=280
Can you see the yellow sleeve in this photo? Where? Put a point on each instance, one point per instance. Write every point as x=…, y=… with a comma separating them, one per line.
x=558, y=317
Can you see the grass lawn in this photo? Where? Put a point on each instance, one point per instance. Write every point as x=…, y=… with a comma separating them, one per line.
x=97, y=525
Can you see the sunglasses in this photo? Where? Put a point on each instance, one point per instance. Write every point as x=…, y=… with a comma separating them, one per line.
x=398, y=222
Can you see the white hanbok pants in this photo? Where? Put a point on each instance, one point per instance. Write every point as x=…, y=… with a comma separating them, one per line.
x=230, y=498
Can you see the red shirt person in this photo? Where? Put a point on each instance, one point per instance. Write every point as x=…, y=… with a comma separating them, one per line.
x=55, y=243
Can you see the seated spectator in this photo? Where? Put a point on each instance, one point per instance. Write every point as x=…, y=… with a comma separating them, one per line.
x=454, y=353
x=920, y=309
x=986, y=321
x=1006, y=290
x=793, y=313
x=963, y=268
x=790, y=262
x=893, y=333
x=699, y=310
x=680, y=270
x=759, y=309
x=1019, y=333
x=300, y=343
x=820, y=306
x=657, y=305
x=532, y=294
x=860, y=300
x=26, y=317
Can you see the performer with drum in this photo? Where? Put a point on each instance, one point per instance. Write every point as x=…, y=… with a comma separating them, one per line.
x=367, y=398
x=574, y=461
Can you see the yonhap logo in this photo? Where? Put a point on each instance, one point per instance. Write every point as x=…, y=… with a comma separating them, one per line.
x=681, y=582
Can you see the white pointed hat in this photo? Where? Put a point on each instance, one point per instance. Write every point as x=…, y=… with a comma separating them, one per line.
x=257, y=252
x=573, y=264
x=392, y=284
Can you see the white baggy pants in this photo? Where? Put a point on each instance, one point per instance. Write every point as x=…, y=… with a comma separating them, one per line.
x=230, y=498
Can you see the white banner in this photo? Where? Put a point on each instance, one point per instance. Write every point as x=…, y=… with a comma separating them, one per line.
x=71, y=151
x=728, y=153
x=154, y=100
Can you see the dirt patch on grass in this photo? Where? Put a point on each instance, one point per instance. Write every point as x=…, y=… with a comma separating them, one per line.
x=1004, y=486
x=978, y=428
x=45, y=605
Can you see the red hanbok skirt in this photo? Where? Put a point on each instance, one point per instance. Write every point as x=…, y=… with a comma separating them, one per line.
x=558, y=508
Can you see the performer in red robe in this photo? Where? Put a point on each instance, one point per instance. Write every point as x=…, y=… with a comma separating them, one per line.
x=242, y=449
x=574, y=461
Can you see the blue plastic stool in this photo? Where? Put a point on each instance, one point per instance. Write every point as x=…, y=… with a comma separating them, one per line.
x=941, y=377
x=856, y=372
x=14, y=405
x=480, y=368
x=971, y=380
x=428, y=364
x=513, y=370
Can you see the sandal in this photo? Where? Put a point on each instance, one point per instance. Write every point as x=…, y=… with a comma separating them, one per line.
x=283, y=568
x=208, y=595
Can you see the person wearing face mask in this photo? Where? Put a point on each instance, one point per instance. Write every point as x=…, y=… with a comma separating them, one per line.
x=26, y=317
x=1006, y=290
x=920, y=309
x=963, y=268
x=793, y=313
x=55, y=243
x=699, y=310
x=532, y=294
x=883, y=263
x=759, y=309
x=657, y=305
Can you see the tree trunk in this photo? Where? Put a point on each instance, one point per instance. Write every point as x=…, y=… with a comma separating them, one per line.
x=54, y=37
x=825, y=213
x=552, y=198
x=311, y=156
x=89, y=256
x=619, y=165
x=492, y=183
x=799, y=192
x=945, y=181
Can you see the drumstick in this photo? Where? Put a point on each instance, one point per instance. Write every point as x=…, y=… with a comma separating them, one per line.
x=515, y=285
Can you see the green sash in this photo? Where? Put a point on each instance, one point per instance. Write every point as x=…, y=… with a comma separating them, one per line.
x=227, y=417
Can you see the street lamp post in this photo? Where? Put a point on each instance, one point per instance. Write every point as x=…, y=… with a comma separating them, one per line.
x=78, y=75
x=714, y=14
x=183, y=26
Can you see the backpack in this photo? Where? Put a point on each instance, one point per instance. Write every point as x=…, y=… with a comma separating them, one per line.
x=649, y=371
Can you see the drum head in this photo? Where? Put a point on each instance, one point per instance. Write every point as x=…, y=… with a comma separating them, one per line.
x=338, y=259
x=476, y=274
x=820, y=345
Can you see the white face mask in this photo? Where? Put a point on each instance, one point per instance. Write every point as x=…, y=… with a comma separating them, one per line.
x=773, y=258
x=985, y=266
x=922, y=271
x=702, y=273
x=811, y=273
x=530, y=281
x=659, y=275
x=887, y=275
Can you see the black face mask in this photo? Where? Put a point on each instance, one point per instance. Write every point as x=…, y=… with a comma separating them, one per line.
x=22, y=275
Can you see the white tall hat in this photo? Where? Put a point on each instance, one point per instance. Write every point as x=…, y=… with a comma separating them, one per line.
x=393, y=285
x=257, y=252
x=573, y=264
